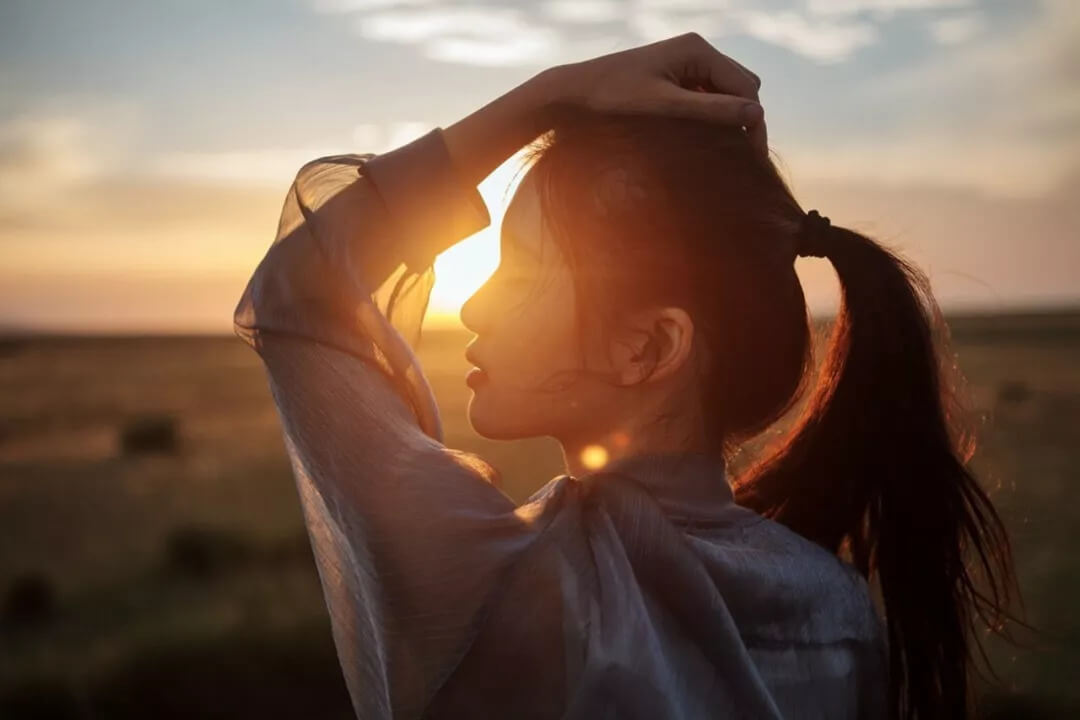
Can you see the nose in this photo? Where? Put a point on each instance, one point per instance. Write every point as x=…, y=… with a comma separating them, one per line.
x=471, y=314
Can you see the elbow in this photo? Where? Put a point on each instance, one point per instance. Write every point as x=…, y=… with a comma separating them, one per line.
x=271, y=288
x=244, y=314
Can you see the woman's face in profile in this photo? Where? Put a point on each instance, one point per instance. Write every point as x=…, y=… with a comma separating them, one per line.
x=523, y=317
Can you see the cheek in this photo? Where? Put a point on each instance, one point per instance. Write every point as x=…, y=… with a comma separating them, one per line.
x=537, y=339
x=540, y=336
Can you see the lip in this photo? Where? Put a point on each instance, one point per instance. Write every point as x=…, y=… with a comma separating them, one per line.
x=475, y=377
x=472, y=358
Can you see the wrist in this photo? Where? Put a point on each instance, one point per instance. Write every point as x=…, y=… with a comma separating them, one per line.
x=479, y=142
x=552, y=94
x=562, y=89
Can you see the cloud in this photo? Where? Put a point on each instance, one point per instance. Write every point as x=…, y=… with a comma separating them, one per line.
x=44, y=155
x=881, y=7
x=583, y=11
x=63, y=143
x=559, y=30
x=273, y=166
x=956, y=29
x=1019, y=166
x=465, y=34
x=826, y=41
x=1038, y=58
x=276, y=166
x=649, y=24
x=528, y=34
x=421, y=25
x=41, y=155
x=350, y=6
x=968, y=154
x=76, y=201
x=379, y=137
x=1011, y=123
x=525, y=49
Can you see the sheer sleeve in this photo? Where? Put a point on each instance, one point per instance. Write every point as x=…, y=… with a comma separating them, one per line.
x=410, y=537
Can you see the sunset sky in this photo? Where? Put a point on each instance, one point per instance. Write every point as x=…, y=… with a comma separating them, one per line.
x=145, y=147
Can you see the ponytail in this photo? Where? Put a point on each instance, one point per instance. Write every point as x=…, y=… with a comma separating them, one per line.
x=876, y=467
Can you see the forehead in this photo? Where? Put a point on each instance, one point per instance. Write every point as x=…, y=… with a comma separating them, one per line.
x=523, y=225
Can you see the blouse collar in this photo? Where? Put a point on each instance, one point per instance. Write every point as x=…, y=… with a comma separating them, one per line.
x=685, y=484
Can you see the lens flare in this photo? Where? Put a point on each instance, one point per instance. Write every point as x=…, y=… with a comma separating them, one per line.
x=594, y=456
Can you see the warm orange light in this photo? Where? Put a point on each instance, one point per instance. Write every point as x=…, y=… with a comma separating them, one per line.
x=594, y=456
x=459, y=271
x=464, y=267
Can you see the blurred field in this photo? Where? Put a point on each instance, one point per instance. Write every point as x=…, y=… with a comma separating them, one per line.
x=153, y=562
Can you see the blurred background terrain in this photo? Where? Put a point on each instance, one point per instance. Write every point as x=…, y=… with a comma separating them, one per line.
x=154, y=562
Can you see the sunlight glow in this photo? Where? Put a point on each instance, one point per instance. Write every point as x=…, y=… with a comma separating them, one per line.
x=594, y=456
x=463, y=268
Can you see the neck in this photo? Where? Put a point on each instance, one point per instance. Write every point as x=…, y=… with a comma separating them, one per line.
x=687, y=484
x=587, y=455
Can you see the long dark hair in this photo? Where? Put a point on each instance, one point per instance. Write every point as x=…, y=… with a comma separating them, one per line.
x=653, y=209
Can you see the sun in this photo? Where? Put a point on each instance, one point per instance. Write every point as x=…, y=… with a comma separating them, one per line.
x=463, y=268
x=459, y=271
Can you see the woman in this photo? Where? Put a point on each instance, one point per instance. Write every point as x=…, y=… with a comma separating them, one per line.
x=645, y=303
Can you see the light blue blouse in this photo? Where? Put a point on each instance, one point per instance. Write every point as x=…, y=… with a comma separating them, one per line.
x=638, y=591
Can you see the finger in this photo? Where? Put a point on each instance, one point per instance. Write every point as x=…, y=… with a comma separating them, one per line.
x=749, y=73
x=759, y=137
x=729, y=110
x=729, y=76
x=725, y=75
x=756, y=132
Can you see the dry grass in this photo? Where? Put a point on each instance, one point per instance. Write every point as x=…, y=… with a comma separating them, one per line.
x=105, y=522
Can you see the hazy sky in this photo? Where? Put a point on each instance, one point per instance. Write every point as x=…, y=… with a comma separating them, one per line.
x=145, y=147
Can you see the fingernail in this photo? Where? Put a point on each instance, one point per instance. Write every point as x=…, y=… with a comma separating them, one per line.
x=751, y=114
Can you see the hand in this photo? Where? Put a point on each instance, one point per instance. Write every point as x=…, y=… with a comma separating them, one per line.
x=668, y=77
x=683, y=75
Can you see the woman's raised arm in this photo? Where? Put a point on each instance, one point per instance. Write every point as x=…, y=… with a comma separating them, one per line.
x=409, y=536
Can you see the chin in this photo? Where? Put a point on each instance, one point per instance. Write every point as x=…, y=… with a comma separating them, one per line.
x=486, y=428
x=487, y=423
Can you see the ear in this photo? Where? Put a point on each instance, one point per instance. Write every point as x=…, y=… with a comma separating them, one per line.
x=655, y=344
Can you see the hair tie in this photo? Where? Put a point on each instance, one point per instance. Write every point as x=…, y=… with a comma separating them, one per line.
x=813, y=239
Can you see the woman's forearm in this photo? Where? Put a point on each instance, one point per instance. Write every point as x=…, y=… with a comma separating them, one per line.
x=482, y=140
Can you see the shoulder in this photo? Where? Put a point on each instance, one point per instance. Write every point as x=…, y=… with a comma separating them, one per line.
x=789, y=588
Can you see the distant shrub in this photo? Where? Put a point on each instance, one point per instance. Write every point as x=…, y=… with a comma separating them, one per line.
x=204, y=552
x=30, y=600
x=150, y=434
x=264, y=673
x=12, y=346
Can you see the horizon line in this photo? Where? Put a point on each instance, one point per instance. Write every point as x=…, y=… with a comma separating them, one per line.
x=442, y=322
